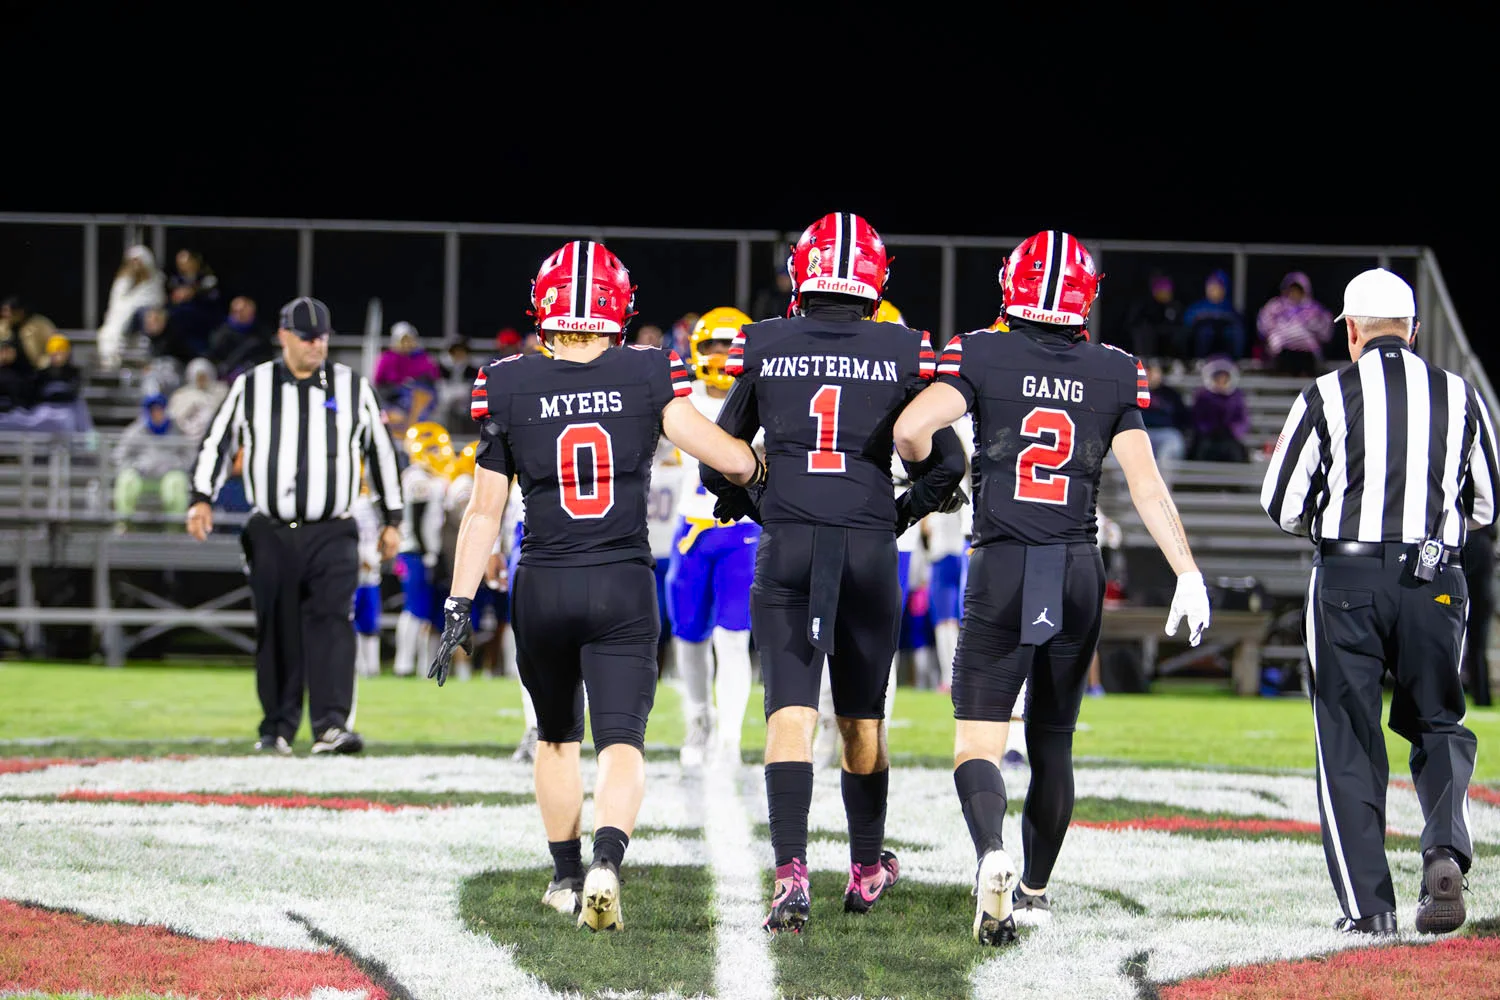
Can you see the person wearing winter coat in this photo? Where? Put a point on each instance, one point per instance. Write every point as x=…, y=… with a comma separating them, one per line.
x=405, y=361
x=1295, y=327
x=192, y=407
x=152, y=454
x=139, y=284
x=1221, y=416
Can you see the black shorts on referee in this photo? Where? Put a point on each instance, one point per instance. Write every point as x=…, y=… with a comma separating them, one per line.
x=990, y=663
x=593, y=627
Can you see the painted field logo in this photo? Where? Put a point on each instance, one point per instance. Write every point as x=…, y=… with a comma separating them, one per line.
x=421, y=877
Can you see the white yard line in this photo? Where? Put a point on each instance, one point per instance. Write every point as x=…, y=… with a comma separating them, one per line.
x=743, y=969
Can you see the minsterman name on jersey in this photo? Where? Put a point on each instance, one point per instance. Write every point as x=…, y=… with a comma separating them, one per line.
x=567, y=404
x=828, y=366
x=1042, y=387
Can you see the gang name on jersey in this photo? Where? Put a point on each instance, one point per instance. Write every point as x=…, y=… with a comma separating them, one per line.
x=1045, y=387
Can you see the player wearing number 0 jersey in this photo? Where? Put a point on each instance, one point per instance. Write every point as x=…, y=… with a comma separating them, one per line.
x=578, y=430
x=826, y=385
x=1047, y=406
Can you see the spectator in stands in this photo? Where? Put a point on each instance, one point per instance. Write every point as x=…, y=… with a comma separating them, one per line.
x=1221, y=417
x=404, y=361
x=29, y=330
x=1167, y=420
x=1214, y=326
x=681, y=333
x=507, y=342
x=532, y=344
x=56, y=391
x=1294, y=327
x=648, y=336
x=152, y=456
x=164, y=336
x=194, y=296
x=240, y=342
x=15, y=384
x=772, y=303
x=139, y=284
x=192, y=407
x=455, y=391
x=161, y=375
x=1155, y=323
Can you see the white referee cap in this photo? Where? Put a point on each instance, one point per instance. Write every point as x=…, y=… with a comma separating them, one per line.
x=1378, y=293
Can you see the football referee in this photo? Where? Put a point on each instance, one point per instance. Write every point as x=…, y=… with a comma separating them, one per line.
x=1386, y=465
x=305, y=425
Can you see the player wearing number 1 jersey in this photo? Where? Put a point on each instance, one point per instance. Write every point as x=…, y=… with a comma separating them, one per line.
x=826, y=385
x=578, y=430
x=1047, y=406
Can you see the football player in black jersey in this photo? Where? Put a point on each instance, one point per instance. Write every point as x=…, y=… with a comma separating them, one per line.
x=826, y=384
x=578, y=427
x=1047, y=406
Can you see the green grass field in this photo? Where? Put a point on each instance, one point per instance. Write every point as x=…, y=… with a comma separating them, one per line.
x=149, y=708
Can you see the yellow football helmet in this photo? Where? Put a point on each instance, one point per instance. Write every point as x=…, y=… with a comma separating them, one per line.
x=724, y=324
x=463, y=463
x=1000, y=326
x=887, y=313
x=429, y=446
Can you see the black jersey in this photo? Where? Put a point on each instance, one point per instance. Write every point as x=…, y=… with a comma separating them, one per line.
x=1046, y=408
x=579, y=438
x=827, y=391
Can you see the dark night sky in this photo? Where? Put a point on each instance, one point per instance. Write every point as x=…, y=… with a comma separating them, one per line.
x=578, y=118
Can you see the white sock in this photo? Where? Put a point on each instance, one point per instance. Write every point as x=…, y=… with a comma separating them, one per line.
x=408, y=640
x=1016, y=740
x=508, y=653
x=890, y=690
x=367, y=654
x=694, y=665
x=825, y=696
x=945, y=636
x=731, y=684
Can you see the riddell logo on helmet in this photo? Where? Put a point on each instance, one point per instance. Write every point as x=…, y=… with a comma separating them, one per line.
x=837, y=285
x=583, y=325
x=1038, y=315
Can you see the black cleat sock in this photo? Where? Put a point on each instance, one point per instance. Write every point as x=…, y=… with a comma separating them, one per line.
x=864, y=805
x=567, y=858
x=789, y=787
x=1049, y=802
x=609, y=845
x=981, y=792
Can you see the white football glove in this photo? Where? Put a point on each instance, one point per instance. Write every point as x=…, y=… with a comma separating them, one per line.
x=1190, y=602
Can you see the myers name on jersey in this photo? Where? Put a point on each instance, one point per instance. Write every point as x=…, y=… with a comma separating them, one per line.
x=568, y=403
x=828, y=366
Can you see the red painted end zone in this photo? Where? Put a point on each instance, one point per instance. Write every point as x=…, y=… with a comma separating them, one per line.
x=62, y=953
x=1456, y=967
x=244, y=801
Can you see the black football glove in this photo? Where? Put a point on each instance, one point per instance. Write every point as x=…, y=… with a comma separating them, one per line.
x=905, y=518
x=955, y=502
x=457, y=634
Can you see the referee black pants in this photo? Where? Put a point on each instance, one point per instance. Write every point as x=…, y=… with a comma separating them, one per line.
x=1366, y=615
x=302, y=582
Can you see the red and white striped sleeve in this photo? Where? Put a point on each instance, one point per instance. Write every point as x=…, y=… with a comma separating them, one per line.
x=734, y=365
x=1142, y=388
x=479, y=397
x=952, y=358
x=682, y=382
x=927, y=358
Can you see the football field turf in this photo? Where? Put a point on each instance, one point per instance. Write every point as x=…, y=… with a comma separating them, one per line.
x=144, y=854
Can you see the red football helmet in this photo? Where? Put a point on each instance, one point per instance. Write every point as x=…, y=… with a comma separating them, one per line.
x=583, y=288
x=1050, y=278
x=842, y=254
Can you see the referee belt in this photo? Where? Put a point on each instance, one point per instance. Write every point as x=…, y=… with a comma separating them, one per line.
x=1377, y=550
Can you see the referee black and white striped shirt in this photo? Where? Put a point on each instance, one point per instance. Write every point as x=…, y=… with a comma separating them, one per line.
x=303, y=442
x=1378, y=451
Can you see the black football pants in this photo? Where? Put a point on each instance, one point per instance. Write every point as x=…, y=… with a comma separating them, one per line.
x=302, y=582
x=1366, y=615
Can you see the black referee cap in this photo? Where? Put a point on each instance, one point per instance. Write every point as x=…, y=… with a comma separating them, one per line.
x=307, y=317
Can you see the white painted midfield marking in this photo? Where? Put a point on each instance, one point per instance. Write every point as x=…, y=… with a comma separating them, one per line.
x=744, y=970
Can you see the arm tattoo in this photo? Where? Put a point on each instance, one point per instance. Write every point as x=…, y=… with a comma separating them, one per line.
x=1169, y=512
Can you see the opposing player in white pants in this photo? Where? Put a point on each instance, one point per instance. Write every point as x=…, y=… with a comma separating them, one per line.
x=367, y=594
x=708, y=578
x=423, y=484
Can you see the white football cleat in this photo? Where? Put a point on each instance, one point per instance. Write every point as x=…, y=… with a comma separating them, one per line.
x=565, y=896
x=993, y=922
x=601, y=900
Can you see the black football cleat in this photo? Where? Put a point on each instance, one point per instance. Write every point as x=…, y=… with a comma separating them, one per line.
x=1378, y=925
x=1030, y=909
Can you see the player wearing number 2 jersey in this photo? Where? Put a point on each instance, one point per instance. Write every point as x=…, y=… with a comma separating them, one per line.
x=1047, y=406
x=578, y=431
x=826, y=385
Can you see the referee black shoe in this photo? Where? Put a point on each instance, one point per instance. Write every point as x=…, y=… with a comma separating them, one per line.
x=277, y=746
x=1378, y=925
x=336, y=740
x=1440, y=904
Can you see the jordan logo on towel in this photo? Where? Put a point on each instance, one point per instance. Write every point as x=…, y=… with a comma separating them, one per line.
x=1042, y=619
